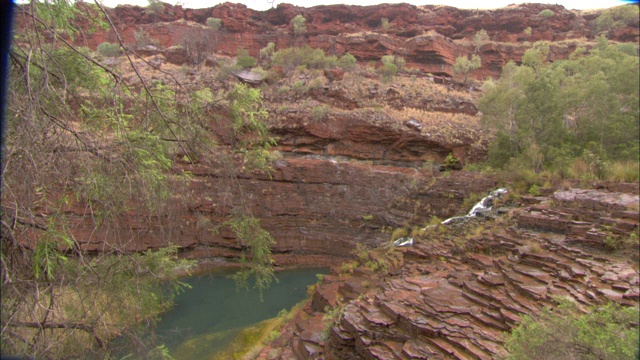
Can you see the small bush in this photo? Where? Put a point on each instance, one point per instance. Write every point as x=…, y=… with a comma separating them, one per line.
x=399, y=233
x=384, y=24
x=299, y=88
x=320, y=112
x=108, y=49
x=388, y=70
x=290, y=58
x=244, y=60
x=347, y=62
x=214, y=23
x=267, y=51
x=546, y=13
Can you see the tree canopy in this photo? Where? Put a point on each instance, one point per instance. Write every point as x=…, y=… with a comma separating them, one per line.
x=547, y=114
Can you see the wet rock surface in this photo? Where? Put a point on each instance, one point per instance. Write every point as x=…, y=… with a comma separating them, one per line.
x=448, y=298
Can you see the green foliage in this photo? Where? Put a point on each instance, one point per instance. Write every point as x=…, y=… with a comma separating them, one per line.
x=332, y=315
x=534, y=190
x=248, y=119
x=319, y=112
x=268, y=51
x=388, y=70
x=81, y=137
x=399, y=233
x=361, y=252
x=244, y=60
x=463, y=65
x=605, y=332
x=617, y=18
x=299, y=27
x=527, y=31
x=214, y=23
x=384, y=24
x=480, y=38
x=549, y=116
x=258, y=261
x=291, y=58
x=347, y=62
x=546, y=13
x=108, y=49
x=154, y=6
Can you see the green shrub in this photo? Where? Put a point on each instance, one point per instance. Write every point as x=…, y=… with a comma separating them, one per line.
x=299, y=87
x=299, y=27
x=384, y=24
x=388, y=59
x=399, y=233
x=320, y=112
x=267, y=51
x=617, y=18
x=214, y=23
x=347, y=62
x=290, y=58
x=564, y=332
x=108, y=49
x=388, y=70
x=546, y=13
x=244, y=60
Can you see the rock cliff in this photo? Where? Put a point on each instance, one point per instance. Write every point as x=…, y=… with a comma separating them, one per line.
x=429, y=37
x=458, y=291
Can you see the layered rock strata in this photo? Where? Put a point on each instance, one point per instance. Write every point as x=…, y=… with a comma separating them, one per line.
x=457, y=295
x=428, y=37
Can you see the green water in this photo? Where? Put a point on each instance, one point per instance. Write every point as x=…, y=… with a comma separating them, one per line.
x=208, y=316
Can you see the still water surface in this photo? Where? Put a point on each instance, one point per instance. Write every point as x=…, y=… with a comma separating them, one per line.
x=208, y=316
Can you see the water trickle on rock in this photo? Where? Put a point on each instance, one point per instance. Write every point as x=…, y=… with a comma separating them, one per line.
x=482, y=207
x=479, y=209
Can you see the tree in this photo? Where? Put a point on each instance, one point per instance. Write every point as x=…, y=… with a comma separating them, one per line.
x=83, y=148
x=299, y=27
x=199, y=43
x=463, y=65
x=479, y=39
x=570, y=109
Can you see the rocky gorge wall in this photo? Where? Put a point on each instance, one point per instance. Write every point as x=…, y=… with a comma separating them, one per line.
x=429, y=37
x=458, y=292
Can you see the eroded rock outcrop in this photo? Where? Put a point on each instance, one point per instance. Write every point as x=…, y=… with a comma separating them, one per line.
x=429, y=37
x=457, y=295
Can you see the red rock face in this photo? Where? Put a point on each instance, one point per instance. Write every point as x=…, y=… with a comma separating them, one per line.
x=310, y=206
x=432, y=301
x=428, y=37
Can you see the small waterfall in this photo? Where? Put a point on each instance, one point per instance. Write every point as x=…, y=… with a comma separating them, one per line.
x=481, y=207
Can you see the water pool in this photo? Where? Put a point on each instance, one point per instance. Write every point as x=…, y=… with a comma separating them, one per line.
x=211, y=314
